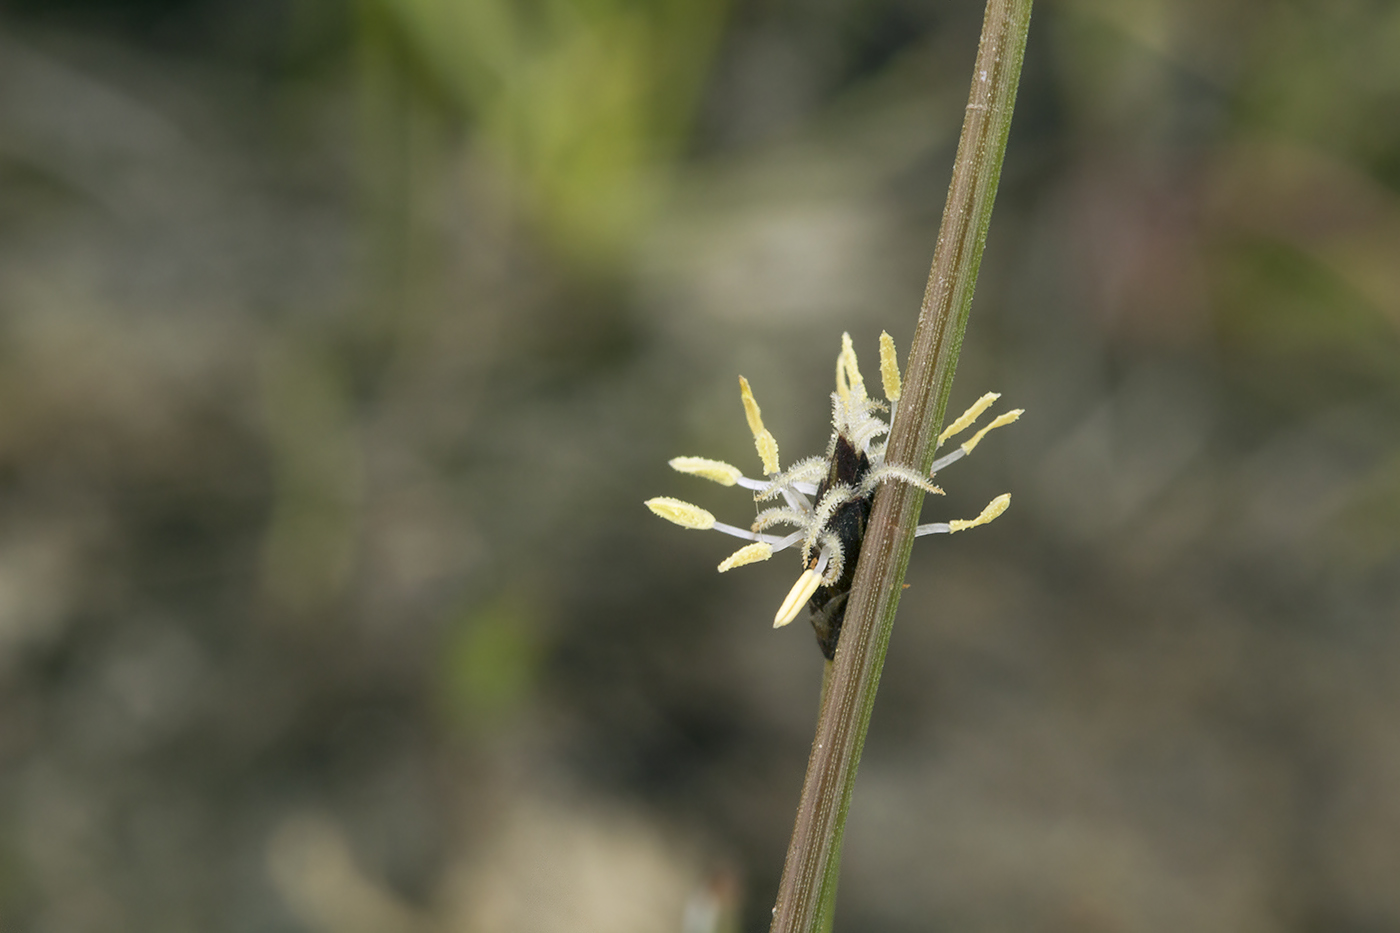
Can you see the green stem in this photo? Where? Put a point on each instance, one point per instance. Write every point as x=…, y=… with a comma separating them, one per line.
x=807, y=894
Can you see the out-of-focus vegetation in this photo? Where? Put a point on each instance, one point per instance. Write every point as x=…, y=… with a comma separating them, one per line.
x=339, y=344
x=576, y=105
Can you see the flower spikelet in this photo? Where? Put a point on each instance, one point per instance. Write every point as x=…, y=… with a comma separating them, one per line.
x=826, y=500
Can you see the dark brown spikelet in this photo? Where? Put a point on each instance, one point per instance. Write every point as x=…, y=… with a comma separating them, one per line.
x=828, y=603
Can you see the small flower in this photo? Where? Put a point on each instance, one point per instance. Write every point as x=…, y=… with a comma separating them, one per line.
x=828, y=499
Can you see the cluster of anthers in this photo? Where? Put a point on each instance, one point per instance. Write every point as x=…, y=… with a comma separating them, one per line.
x=828, y=499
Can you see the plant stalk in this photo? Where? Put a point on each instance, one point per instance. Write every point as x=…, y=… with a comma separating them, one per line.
x=807, y=893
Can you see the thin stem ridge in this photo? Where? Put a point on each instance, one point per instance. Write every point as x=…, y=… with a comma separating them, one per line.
x=807, y=893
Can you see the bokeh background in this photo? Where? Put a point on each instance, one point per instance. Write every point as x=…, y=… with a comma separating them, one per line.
x=341, y=342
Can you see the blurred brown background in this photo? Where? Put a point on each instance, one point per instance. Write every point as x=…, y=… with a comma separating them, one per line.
x=341, y=342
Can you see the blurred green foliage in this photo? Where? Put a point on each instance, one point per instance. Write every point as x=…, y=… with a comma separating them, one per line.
x=318, y=479
x=580, y=104
x=491, y=663
x=320, y=470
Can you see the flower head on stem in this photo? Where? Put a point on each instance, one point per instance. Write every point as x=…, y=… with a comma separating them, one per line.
x=827, y=499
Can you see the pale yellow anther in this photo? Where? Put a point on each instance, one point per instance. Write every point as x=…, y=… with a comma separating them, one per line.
x=714, y=470
x=748, y=554
x=682, y=513
x=993, y=509
x=751, y=410
x=848, y=378
x=889, y=367
x=797, y=597
x=763, y=441
x=966, y=418
x=767, y=448
x=1001, y=421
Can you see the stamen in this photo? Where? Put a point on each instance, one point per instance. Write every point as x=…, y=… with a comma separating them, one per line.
x=1001, y=421
x=856, y=422
x=682, y=513
x=782, y=544
x=966, y=418
x=849, y=382
x=957, y=454
x=778, y=542
x=797, y=597
x=993, y=509
x=748, y=554
x=889, y=368
x=766, y=445
x=715, y=470
x=831, y=551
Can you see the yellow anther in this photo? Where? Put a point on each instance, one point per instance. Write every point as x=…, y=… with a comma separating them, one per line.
x=748, y=554
x=682, y=513
x=762, y=440
x=966, y=418
x=797, y=597
x=993, y=509
x=889, y=367
x=848, y=378
x=751, y=410
x=715, y=470
x=1001, y=421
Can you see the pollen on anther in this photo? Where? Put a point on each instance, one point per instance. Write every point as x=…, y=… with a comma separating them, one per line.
x=889, y=367
x=848, y=378
x=714, y=470
x=681, y=513
x=763, y=440
x=966, y=418
x=993, y=509
x=797, y=597
x=1001, y=421
x=748, y=554
x=814, y=490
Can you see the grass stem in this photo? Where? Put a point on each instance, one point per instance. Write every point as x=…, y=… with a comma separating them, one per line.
x=807, y=893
